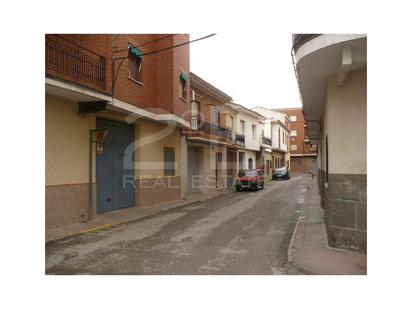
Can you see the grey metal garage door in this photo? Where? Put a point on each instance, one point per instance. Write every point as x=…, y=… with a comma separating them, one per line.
x=114, y=188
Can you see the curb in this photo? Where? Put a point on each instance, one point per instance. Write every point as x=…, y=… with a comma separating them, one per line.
x=292, y=239
x=292, y=243
x=115, y=224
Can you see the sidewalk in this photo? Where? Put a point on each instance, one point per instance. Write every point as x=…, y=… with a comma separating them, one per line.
x=309, y=250
x=126, y=215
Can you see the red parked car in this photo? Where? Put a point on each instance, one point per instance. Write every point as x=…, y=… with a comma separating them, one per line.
x=250, y=179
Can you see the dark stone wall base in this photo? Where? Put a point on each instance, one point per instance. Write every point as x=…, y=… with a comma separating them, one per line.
x=345, y=205
x=354, y=240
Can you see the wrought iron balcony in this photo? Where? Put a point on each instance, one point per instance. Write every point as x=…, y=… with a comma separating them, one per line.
x=67, y=59
x=198, y=125
x=240, y=139
x=266, y=140
x=229, y=137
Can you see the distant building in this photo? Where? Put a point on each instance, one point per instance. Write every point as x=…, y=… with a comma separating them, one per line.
x=302, y=153
x=275, y=127
x=247, y=124
x=207, y=138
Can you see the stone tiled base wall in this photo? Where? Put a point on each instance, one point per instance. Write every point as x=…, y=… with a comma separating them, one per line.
x=154, y=191
x=66, y=204
x=345, y=204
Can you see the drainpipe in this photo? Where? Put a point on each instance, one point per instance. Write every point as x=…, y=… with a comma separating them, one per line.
x=90, y=203
x=96, y=137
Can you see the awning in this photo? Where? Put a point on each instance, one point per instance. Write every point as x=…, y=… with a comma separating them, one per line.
x=135, y=51
x=183, y=76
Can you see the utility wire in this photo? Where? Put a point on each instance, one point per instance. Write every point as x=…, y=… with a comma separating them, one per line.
x=178, y=45
x=173, y=46
x=151, y=53
x=147, y=43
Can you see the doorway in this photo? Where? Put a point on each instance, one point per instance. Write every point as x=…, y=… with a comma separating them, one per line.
x=114, y=182
x=231, y=167
x=193, y=171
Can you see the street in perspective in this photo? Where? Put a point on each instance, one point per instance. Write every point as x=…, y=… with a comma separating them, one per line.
x=247, y=233
x=151, y=169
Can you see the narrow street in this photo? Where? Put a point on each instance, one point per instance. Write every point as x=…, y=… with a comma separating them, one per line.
x=239, y=233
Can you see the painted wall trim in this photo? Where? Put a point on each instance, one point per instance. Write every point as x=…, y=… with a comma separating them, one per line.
x=323, y=41
x=303, y=155
x=207, y=141
x=119, y=105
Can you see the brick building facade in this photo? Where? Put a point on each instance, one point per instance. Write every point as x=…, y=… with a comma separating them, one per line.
x=302, y=153
x=144, y=111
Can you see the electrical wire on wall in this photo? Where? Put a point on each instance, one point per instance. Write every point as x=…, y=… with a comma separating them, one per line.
x=114, y=76
x=147, y=43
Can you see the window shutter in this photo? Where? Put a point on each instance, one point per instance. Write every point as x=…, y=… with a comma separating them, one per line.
x=135, y=51
x=183, y=76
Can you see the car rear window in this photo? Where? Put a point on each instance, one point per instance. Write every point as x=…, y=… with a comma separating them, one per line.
x=247, y=173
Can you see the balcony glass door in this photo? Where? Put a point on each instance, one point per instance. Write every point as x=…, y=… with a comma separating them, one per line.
x=195, y=115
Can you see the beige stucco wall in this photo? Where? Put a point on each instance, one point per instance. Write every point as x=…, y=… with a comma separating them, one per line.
x=345, y=124
x=67, y=149
x=276, y=129
x=268, y=156
x=153, y=137
x=67, y=135
x=206, y=179
x=250, y=142
x=250, y=155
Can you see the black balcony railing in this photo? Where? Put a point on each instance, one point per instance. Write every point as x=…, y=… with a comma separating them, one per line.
x=240, y=139
x=229, y=136
x=266, y=140
x=199, y=125
x=68, y=59
x=300, y=39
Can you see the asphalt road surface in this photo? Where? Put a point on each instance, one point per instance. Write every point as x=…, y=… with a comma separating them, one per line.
x=240, y=233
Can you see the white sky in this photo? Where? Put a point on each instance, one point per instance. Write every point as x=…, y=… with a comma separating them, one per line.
x=254, y=69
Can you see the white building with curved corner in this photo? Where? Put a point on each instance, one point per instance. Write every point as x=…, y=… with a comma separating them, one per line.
x=331, y=70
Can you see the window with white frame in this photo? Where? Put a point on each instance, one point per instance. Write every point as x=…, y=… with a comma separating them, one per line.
x=293, y=133
x=254, y=133
x=293, y=118
x=278, y=138
x=215, y=116
x=195, y=115
x=229, y=123
x=135, y=63
x=242, y=127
